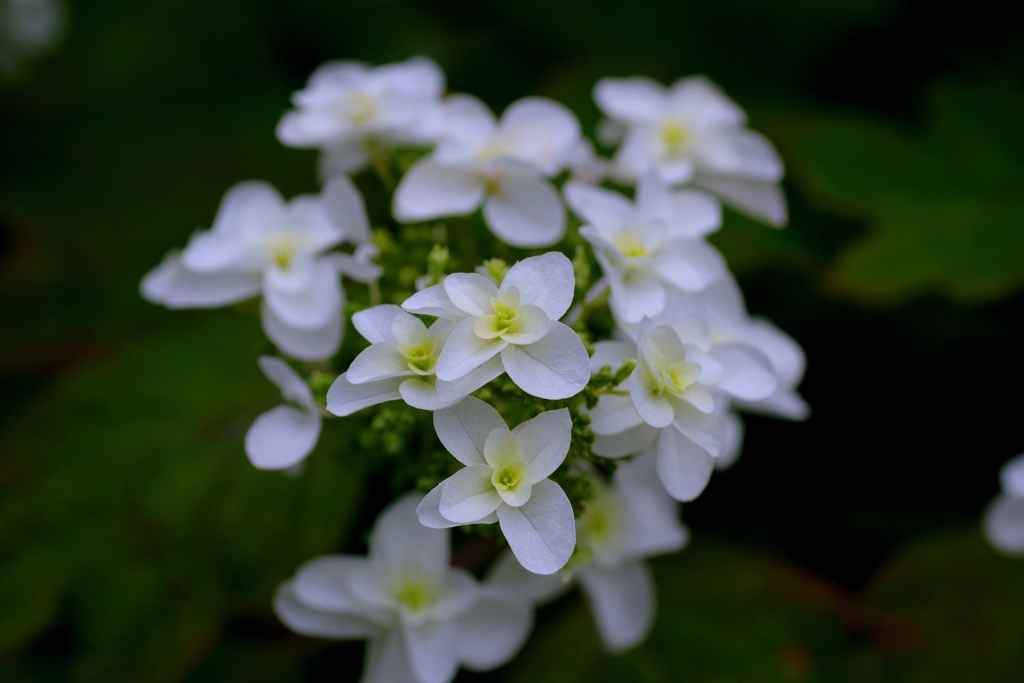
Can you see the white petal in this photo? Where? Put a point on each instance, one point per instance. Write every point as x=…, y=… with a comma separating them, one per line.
x=694, y=214
x=704, y=105
x=525, y=211
x=345, y=398
x=468, y=121
x=320, y=583
x=292, y=386
x=377, y=362
x=464, y=352
x=542, y=533
x=787, y=405
x=545, y=442
x=399, y=539
x=539, y=131
x=732, y=440
x=422, y=394
x=760, y=200
x=470, y=293
x=604, y=209
x=430, y=190
x=174, y=286
x=469, y=495
x=654, y=409
x=337, y=157
x=308, y=218
x=739, y=153
x=1011, y=477
x=281, y=437
x=358, y=265
x=314, y=305
x=432, y=650
x=628, y=442
x=311, y=622
x=611, y=353
x=635, y=294
x=434, y=301
x=703, y=428
x=613, y=415
x=623, y=602
x=493, y=631
x=451, y=392
x=344, y=204
x=463, y=429
x=249, y=205
x=509, y=577
x=1004, y=524
x=747, y=373
x=429, y=512
x=786, y=356
x=530, y=326
x=651, y=523
x=375, y=323
x=387, y=660
x=636, y=100
x=305, y=344
x=690, y=265
x=683, y=466
x=555, y=367
x=546, y=281
x=518, y=496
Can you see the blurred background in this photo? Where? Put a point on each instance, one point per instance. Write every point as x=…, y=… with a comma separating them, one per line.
x=137, y=543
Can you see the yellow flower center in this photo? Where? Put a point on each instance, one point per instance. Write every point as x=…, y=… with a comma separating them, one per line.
x=679, y=376
x=420, y=358
x=674, y=135
x=498, y=323
x=626, y=242
x=362, y=108
x=413, y=596
x=507, y=476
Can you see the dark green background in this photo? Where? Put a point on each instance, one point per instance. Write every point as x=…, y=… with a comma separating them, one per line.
x=136, y=541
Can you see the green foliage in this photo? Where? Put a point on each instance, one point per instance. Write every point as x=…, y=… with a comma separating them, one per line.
x=944, y=207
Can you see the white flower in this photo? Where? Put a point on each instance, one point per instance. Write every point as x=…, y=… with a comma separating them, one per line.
x=28, y=28
x=284, y=436
x=347, y=105
x=516, y=323
x=692, y=132
x=400, y=364
x=261, y=244
x=649, y=246
x=622, y=524
x=422, y=617
x=498, y=164
x=1004, y=519
x=505, y=479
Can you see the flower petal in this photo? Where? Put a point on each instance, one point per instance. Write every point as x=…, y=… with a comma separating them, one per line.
x=451, y=392
x=434, y=301
x=344, y=204
x=555, y=367
x=636, y=100
x=628, y=442
x=320, y=583
x=281, y=437
x=311, y=622
x=508, y=576
x=345, y=398
x=309, y=344
x=518, y=496
x=546, y=281
x=763, y=201
x=465, y=352
x=471, y=293
x=683, y=466
x=703, y=428
x=292, y=386
x=747, y=372
x=542, y=533
x=398, y=539
x=172, y=285
x=690, y=265
x=654, y=409
x=375, y=323
x=613, y=415
x=376, y=362
x=422, y=394
x=539, y=131
x=387, y=660
x=469, y=495
x=493, y=630
x=530, y=326
x=432, y=650
x=430, y=190
x=1004, y=524
x=463, y=429
x=545, y=442
x=314, y=305
x=622, y=600
x=607, y=211
x=429, y=513
x=1011, y=477
x=525, y=211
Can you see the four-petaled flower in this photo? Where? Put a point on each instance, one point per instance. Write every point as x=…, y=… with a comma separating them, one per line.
x=505, y=479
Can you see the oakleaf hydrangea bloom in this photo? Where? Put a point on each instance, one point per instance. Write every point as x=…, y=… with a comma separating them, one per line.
x=692, y=133
x=422, y=617
x=651, y=245
x=261, y=244
x=1004, y=519
x=505, y=479
x=284, y=436
x=518, y=320
x=622, y=525
x=400, y=364
x=498, y=164
x=347, y=106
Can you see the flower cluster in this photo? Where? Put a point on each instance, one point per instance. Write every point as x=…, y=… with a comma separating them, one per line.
x=576, y=412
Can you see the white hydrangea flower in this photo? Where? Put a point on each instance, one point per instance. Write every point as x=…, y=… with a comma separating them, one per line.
x=401, y=364
x=1004, y=519
x=623, y=524
x=671, y=404
x=692, y=132
x=261, y=244
x=516, y=323
x=422, y=617
x=650, y=246
x=505, y=479
x=28, y=28
x=283, y=437
x=347, y=105
x=500, y=165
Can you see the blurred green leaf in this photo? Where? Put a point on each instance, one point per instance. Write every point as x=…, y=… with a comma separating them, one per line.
x=944, y=208
x=133, y=518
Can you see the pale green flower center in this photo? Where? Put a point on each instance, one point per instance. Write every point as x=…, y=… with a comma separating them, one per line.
x=421, y=358
x=497, y=323
x=678, y=377
x=414, y=596
x=675, y=135
x=626, y=242
x=361, y=107
x=282, y=251
x=508, y=476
